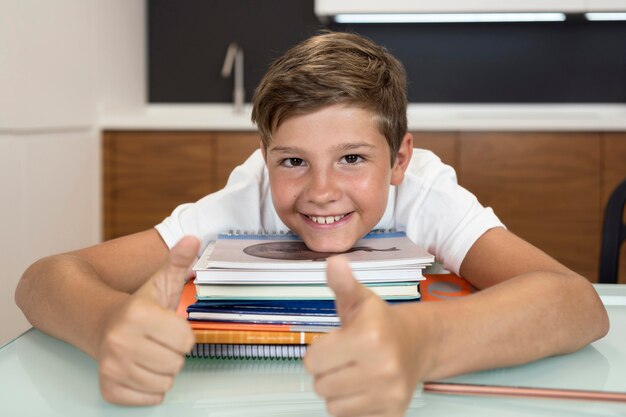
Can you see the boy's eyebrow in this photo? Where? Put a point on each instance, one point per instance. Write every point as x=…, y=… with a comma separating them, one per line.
x=285, y=149
x=350, y=146
x=342, y=147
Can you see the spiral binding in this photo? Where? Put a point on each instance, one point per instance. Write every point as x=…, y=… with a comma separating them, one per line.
x=261, y=232
x=264, y=232
x=244, y=366
x=244, y=351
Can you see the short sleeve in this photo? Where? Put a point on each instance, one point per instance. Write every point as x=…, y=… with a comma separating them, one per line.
x=240, y=205
x=439, y=214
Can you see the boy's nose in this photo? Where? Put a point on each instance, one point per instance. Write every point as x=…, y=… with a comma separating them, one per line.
x=323, y=188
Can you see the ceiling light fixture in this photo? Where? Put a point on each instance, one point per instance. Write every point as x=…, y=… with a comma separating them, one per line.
x=448, y=17
x=605, y=16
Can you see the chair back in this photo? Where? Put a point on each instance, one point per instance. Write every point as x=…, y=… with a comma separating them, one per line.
x=613, y=235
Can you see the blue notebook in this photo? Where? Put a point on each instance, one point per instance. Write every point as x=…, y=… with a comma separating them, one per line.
x=320, y=312
x=309, y=312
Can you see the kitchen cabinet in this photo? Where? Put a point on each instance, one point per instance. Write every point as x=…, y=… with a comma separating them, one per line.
x=443, y=144
x=545, y=187
x=147, y=174
x=614, y=156
x=548, y=188
x=613, y=173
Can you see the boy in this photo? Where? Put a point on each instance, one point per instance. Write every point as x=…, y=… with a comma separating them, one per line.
x=335, y=162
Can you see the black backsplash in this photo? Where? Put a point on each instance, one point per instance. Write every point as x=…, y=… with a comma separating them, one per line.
x=558, y=62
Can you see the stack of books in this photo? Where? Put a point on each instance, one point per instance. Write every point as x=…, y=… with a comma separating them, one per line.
x=265, y=295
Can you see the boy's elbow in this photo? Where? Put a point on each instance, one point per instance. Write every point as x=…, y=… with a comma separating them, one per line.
x=26, y=284
x=603, y=324
x=599, y=318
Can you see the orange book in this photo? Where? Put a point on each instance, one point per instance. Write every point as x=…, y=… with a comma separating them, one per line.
x=187, y=298
x=439, y=287
x=255, y=337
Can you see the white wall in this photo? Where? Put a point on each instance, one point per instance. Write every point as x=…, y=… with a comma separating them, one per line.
x=121, y=54
x=61, y=61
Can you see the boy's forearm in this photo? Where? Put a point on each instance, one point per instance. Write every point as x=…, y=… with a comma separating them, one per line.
x=64, y=297
x=523, y=319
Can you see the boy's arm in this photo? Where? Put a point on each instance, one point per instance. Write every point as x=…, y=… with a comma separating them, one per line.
x=539, y=308
x=69, y=295
x=114, y=301
x=374, y=362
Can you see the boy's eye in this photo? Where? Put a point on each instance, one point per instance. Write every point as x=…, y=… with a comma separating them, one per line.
x=352, y=159
x=292, y=162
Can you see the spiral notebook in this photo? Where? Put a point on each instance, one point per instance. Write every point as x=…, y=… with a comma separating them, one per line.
x=245, y=351
x=272, y=258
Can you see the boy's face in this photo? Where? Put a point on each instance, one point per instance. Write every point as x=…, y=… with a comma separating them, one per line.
x=330, y=173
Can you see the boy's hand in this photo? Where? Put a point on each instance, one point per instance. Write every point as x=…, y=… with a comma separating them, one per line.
x=370, y=366
x=144, y=342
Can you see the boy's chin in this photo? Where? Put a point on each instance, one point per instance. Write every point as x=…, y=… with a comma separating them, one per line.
x=328, y=245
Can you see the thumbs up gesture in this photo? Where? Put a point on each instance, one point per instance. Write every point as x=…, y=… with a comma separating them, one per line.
x=370, y=366
x=143, y=342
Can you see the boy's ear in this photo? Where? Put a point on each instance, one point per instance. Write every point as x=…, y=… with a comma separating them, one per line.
x=263, y=151
x=403, y=157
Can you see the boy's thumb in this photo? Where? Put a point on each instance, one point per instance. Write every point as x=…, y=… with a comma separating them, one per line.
x=168, y=282
x=349, y=293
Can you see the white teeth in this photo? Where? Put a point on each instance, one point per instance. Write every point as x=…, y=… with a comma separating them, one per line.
x=326, y=219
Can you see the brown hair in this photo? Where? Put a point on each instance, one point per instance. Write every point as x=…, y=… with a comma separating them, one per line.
x=334, y=68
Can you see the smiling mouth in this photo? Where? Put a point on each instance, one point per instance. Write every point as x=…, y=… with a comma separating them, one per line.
x=326, y=219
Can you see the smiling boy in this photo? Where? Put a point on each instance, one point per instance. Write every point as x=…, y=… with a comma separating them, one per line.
x=335, y=162
x=329, y=172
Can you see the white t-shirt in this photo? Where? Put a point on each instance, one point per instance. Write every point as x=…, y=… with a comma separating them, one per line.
x=429, y=205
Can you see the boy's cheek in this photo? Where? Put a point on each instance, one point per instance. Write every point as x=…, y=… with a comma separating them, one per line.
x=280, y=187
x=283, y=195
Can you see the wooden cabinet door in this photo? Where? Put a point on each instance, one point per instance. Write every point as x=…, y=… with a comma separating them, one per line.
x=232, y=149
x=613, y=173
x=545, y=187
x=148, y=174
x=443, y=144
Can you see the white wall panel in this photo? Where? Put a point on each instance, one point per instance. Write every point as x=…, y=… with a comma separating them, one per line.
x=49, y=143
x=12, y=251
x=47, y=54
x=121, y=57
x=50, y=204
x=60, y=202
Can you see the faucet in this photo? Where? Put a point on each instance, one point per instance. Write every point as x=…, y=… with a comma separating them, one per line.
x=234, y=55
